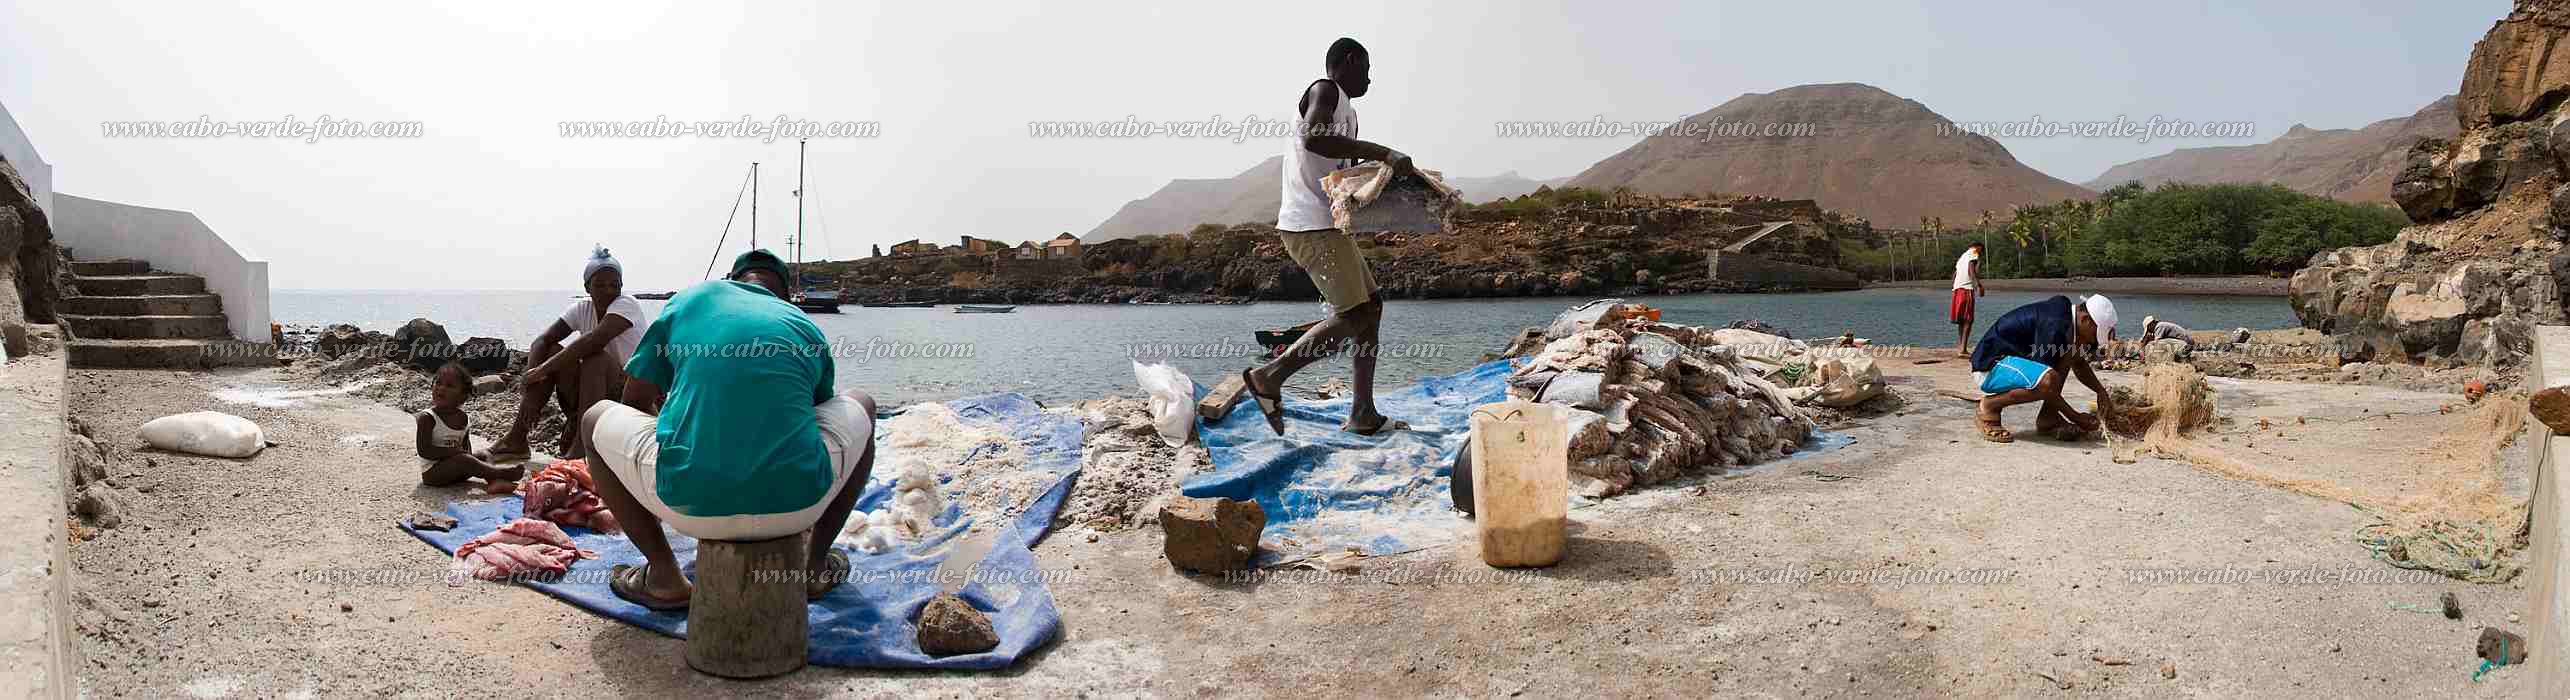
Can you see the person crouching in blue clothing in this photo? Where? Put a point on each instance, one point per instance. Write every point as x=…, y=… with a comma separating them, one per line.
x=2023, y=356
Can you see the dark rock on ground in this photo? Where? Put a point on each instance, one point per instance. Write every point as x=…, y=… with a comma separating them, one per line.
x=950, y=626
x=2500, y=646
x=88, y=463
x=422, y=344
x=2552, y=406
x=102, y=505
x=483, y=355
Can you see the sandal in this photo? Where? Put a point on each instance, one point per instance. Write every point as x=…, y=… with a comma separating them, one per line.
x=837, y=568
x=495, y=456
x=626, y=580
x=1272, y=406
x=1381, y=423
x=1995, y=432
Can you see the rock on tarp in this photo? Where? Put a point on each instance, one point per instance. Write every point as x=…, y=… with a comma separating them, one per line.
x=866, y=622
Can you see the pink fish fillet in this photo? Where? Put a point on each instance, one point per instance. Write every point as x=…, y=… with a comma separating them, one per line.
x=524, y=547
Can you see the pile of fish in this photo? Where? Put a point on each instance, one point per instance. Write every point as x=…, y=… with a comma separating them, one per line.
x=1656, y=400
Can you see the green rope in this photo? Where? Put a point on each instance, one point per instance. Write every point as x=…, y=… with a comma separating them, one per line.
x=2487, y=664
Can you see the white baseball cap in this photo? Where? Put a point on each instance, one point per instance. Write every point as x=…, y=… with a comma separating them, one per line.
x=2104, y=312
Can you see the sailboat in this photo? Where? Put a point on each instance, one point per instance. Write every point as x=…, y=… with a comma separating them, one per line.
x=811, y=301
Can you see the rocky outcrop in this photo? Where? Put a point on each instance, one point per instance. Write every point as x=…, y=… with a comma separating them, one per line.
x=2467, y=284
x=2515, y=71
x=29, y=276
x=1251, y=197
x=1627, y=245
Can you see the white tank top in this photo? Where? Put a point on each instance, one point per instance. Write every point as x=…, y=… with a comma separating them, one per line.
x=442, y=436
x=1302, y=206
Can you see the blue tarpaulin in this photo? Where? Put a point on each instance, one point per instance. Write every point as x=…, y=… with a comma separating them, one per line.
x=1327, y=490
x=865, y=622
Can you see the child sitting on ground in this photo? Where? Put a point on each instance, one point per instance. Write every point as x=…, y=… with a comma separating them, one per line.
x=446, y=443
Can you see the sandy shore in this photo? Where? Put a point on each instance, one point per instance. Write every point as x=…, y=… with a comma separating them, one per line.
x=2241, y=286
x=204, y=589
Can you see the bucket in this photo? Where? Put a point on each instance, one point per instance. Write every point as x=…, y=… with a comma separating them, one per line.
x=1521, y=482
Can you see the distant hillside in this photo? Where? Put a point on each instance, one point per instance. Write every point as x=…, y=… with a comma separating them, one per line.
x=1251, y=198
x=1502, y=186
x=1873, y=154
x=2356, y=165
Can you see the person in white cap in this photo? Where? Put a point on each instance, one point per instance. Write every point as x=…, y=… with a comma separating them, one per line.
x=2024, y=355
x=610, y=325
x=2153, y=328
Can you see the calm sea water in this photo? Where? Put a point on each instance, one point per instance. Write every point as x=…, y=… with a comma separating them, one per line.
x=1068, y=353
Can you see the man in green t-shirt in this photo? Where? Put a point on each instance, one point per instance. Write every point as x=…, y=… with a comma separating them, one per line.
x=749, y=442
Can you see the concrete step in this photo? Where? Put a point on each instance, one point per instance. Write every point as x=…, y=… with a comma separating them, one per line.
x=150, y=305
x=153, y=326
x=169, y=354
x=109, y=268
x=139, y=285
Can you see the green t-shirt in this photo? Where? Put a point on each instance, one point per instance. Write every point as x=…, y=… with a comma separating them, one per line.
x=743, y=370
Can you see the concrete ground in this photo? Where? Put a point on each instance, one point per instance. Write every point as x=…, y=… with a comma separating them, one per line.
x=1672, y=591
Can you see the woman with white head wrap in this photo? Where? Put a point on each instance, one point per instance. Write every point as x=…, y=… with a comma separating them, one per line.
x=591, y=368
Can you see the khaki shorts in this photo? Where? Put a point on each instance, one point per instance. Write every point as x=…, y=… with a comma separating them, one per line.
x=1334, y=263
x=629, y=442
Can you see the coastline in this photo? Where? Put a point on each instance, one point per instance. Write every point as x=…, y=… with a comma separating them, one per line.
x=2243, y=285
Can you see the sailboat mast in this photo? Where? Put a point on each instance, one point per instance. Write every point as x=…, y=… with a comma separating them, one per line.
x=798, y=205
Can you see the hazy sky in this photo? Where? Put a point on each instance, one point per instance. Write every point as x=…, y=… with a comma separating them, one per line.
x=494, y=197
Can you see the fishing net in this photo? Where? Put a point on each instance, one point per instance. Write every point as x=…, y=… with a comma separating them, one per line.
x=2446, y=512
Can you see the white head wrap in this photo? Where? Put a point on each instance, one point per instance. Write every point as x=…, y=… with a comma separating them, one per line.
x=599, y=260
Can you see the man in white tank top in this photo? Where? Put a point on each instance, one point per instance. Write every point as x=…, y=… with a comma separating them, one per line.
x=1329, y=255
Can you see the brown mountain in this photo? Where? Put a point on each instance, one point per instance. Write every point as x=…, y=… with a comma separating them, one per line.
x=1872, y=154
x=2356, y=165
x=1251, y=198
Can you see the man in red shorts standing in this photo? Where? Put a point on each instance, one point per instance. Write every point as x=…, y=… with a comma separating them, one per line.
x=1967, y=289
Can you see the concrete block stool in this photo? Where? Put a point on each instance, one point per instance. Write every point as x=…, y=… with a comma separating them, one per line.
x=747, y=619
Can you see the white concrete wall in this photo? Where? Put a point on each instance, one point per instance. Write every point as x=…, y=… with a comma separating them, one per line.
x=22, y=155
x=2551, y=621
x=172, y=240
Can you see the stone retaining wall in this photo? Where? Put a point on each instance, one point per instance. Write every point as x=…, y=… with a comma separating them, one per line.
x=1758, y=272
x=36, y=643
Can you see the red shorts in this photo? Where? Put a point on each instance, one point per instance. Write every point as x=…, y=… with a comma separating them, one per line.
x=1960, y=312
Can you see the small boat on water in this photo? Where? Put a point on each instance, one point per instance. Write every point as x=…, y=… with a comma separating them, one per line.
x=899, y=304
x=817, y=302
x=1276, y=340
x=655, y=296
x=971, y=309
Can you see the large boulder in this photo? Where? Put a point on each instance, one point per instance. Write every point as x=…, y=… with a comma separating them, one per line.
x=483, y=355
x=422, y=344
x=2515, y=71
x=338, y=339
